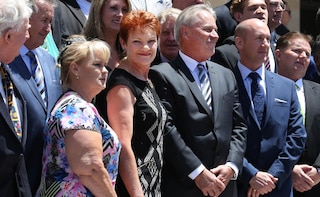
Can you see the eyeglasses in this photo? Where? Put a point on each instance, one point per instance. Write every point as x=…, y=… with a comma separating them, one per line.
x=277, y=4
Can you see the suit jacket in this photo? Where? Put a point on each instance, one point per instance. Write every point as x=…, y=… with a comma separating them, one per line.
x=195, y=134
x=225, y=22
x=13, y=175
x=311, y=153
x=68, y=20
x=37, y=111
x=277, y=144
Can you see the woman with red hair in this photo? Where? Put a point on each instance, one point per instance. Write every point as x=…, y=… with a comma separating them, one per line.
x=134, y=110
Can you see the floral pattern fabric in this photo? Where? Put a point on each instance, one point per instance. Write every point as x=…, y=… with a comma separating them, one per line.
x=72, y=112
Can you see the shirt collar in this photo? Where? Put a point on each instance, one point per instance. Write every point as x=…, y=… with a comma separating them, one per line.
x=299, y=84
x=246, y=71
x=191, y=63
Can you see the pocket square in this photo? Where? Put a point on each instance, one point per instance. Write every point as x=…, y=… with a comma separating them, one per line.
x=280, y=100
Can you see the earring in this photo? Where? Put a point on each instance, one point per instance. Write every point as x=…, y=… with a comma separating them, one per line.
x=77, y=77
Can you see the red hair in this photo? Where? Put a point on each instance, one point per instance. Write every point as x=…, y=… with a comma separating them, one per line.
x=138, y=19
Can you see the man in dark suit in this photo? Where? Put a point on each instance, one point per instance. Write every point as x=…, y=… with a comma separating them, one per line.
x=13, y=175
x=227, y=54
x=69, y=19
x=205, y=137
x=21, y=74
x=276, y=135
x=293, y=57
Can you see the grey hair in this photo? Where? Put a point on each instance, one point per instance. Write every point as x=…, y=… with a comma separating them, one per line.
x=188, y=17
x=35, y=8
x=169, y=12
x=13, y=14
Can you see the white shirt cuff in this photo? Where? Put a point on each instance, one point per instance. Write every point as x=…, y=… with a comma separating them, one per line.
x=234, y=168
x=196, y=172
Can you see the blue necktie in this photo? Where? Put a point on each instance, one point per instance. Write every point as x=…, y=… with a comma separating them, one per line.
x=205, y=84
x=257, y=95
x=37, y=74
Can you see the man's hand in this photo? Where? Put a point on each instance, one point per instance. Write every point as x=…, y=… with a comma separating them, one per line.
x=209, y=184
x=262, y=183
x=224, y=173
x=301, y=177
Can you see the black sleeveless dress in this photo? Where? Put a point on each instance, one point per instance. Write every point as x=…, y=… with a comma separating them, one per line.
x=148, y=124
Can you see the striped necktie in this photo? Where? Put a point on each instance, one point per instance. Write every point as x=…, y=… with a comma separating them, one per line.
x=205, y=85
x=37, y=74
x=12, y=105
x=267, y=64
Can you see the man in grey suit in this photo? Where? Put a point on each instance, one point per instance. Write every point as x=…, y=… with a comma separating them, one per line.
x=38, y=105
x=205, y=134
x=293, y=57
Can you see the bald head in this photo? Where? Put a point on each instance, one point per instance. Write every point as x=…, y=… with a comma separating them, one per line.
x=252, y=39
x=250, y=25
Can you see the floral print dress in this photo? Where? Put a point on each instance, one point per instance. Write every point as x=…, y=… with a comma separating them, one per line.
x=72, y=112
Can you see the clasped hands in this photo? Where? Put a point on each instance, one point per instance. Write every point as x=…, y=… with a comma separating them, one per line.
x=213, y=182
x=304, y=177
x=262, y=183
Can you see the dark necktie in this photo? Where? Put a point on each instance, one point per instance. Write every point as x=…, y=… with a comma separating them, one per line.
x=205, y=84
x=257, y=95
x=12, y=105
x=37, y=74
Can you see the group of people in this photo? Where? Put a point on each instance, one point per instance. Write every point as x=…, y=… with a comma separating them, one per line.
x=144, y=102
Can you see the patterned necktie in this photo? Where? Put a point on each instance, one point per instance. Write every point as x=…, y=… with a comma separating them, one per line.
x=257, y=96
x=12, y=105
x=205, y=84
x=37, y=75
x=302, y=102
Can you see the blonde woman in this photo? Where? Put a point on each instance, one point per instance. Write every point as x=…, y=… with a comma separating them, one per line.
x=81, y=150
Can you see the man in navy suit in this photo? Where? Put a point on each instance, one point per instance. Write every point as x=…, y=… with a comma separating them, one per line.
x=293, y=57
x=205, y=140
x=21, y=74
x=276, y=140
x=14, y=27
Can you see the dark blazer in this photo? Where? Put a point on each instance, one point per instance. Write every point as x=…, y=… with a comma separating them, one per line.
x=195, y=134
x=157, y=59
x=227, y=55
x=13, y=175
x=311, y=153
x=277, y=144
x=68, y=20
x=37, y=112
x=225, y=22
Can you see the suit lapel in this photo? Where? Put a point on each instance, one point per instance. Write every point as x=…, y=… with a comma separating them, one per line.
x=75, y=9
x=214, y=81
x=270, y=95
x=22, y=110
x=310, y=95
x=192, y=84
x=19, y=74
x=244, y=98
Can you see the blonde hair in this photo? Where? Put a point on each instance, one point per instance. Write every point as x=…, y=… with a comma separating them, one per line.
x=76, y=50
